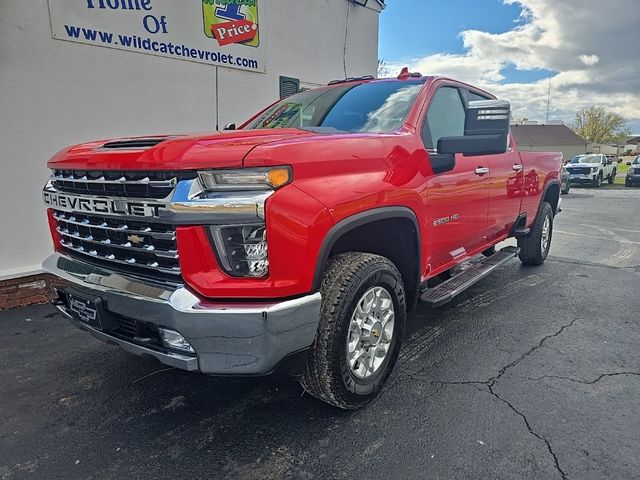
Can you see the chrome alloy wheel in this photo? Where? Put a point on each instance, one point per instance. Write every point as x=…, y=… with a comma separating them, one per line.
x=370, y=332
x=545, y=238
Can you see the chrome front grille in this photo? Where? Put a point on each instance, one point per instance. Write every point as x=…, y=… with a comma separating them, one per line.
x=146, y=184
x=130, y=243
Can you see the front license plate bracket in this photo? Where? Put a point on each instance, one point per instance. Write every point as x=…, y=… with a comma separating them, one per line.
x=90, y=311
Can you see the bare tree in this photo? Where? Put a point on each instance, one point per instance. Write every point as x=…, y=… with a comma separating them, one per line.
x=595, y=124
x=383, y=69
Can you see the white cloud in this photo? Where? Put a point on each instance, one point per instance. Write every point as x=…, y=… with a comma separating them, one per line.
x=589, y=60
x=593, y=51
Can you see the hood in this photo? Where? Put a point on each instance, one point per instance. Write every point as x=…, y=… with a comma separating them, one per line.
x=181, y=152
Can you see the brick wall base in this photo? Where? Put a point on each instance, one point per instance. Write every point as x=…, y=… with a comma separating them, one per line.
x=24, y=291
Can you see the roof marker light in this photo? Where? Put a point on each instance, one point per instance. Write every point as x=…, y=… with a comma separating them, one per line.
x=405, y=74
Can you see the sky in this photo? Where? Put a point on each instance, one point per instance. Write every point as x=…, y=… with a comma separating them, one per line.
x=588, y=50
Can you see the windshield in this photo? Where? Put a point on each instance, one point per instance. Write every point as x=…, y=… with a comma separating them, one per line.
x=636, y=161
x=586, y=159
x=366, y=107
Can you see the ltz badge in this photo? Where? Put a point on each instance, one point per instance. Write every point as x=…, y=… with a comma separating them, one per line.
x=232, y=21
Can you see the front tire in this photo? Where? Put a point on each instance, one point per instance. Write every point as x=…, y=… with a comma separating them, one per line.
x=362, y=322
x=534, y=248
x=598, y=181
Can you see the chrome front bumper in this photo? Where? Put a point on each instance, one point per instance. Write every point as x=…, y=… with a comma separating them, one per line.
x=248, y=338
x=582, y=178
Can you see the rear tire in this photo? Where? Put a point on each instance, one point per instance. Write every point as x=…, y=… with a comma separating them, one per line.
x=612, y=177
x=355, y=348
x=534, y=248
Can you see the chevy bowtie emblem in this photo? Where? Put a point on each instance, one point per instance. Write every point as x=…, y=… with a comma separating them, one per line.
x=135, y=239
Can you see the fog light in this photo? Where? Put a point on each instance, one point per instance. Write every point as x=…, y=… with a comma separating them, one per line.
x=242, y=249
x=175, y=341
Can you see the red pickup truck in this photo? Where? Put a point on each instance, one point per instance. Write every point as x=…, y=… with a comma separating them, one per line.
x=298, y=242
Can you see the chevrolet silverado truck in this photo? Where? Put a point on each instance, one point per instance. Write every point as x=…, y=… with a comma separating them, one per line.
x=298, y=242
x=592, y=169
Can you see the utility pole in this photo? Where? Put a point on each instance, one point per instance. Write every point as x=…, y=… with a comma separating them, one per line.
x=548, y=100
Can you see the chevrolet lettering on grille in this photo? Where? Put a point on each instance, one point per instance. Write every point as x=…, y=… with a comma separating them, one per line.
x=105, y=206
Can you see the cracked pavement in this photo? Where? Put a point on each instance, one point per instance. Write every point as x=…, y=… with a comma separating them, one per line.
x=534, y=373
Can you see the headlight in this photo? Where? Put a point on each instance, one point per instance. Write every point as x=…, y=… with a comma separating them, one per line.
x=594, y=169
x=246, y=179
x=242, y=249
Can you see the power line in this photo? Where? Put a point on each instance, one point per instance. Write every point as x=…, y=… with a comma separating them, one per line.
x=346, y=36
x=217, y=104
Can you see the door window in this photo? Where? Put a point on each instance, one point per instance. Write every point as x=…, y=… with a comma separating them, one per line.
x=445, y=117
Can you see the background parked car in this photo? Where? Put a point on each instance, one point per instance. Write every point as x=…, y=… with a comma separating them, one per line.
x=592, y=169
x=633, y=174
x=566, y=184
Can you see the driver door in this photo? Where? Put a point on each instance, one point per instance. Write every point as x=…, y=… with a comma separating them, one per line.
x=457, y=201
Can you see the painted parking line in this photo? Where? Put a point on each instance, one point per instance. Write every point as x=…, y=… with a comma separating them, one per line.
x=595, y=237
x=625, y=252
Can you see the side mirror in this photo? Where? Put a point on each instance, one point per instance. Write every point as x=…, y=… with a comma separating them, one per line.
x=230, y=126
x=486, y=130
x=628, y=164
x=609, y=162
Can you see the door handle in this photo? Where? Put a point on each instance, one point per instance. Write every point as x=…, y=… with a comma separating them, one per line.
x=517, y=167
x=482, y=171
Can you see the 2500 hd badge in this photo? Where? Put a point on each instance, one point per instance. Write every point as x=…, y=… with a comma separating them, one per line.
x=107, y=206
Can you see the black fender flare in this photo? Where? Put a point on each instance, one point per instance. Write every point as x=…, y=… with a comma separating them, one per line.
x=357, y=220
x=549, y=184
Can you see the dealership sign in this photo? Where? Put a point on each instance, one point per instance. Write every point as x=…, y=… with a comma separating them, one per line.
x=225, y=33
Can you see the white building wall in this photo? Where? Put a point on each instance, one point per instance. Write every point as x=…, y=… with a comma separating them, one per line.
x=55, y=93
x=604, y=149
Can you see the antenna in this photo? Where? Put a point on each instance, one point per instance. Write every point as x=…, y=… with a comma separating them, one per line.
x=548, y=100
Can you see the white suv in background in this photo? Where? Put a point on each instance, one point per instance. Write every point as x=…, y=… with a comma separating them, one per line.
x=592, y=169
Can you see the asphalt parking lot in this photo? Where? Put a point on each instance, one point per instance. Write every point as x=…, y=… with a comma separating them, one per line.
x=533, y=373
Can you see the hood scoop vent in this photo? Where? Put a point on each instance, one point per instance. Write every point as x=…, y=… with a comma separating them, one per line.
x=134, y=144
